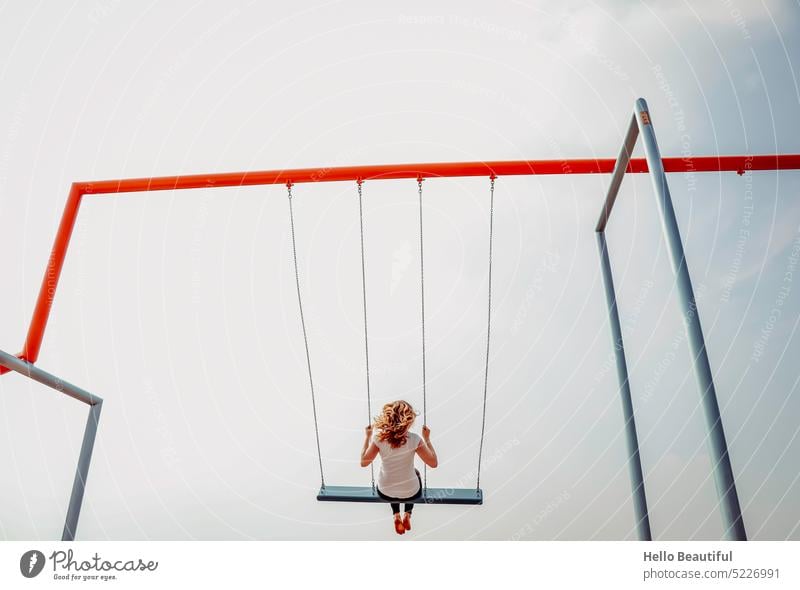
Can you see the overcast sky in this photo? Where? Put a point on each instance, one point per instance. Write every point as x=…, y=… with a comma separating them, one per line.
x=179, y=309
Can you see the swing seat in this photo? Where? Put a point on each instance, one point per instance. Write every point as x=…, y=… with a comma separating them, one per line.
x=429, y=496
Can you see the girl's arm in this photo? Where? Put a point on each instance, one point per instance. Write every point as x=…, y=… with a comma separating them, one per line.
x=370, y=450
x=426, y=451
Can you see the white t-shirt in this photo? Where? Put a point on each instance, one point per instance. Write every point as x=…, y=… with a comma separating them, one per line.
x=397, y=477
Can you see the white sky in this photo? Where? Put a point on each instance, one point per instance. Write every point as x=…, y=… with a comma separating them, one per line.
x=179, y=308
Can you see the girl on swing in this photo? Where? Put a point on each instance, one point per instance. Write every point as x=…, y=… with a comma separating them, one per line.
x=398, y=480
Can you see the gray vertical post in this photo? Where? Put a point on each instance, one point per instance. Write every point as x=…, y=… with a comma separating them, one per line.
x=81, y=473
x=632, y=440
x=721, y=464
x=634, y=461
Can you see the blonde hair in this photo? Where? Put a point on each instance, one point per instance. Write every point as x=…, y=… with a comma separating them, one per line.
x=394, y=421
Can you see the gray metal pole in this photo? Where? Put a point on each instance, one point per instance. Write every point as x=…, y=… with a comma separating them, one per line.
x=89, y=434
x=623, y=158
x=721, y=464
x=634, y=461
x=81, y=473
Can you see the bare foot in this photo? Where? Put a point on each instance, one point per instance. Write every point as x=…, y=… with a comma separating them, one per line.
x=407, y=521
x=399, y=528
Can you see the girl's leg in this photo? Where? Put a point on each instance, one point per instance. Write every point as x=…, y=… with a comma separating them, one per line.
x=409, y=506
x=398, y=521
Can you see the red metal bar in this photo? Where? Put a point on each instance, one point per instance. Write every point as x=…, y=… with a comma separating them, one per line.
x=432, y=170
x=41, y=313
x=52, y=273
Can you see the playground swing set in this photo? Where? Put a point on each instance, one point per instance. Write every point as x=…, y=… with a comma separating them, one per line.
x=653, y=164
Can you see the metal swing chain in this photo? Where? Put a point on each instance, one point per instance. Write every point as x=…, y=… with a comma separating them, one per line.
x=366, y=339
x=488, y=329
x=305, y=334
x=422, y=292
